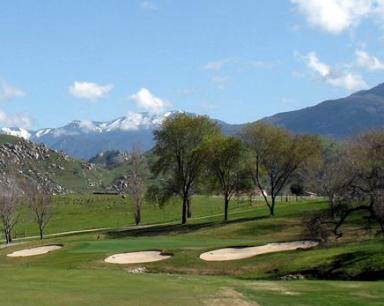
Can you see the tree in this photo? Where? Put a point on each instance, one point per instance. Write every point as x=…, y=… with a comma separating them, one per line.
x=41, y=205
x=277, y=154
x=180, y=154
x=225, y=163
x=327, y=176
x=354, y=184
x=10, y=195
x=136, y=185
x=364, y=190
x=297, y=189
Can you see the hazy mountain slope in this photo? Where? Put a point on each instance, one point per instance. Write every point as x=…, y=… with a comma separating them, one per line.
x=341, y=118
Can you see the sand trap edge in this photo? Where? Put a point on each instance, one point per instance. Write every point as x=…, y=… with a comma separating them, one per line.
x=244, y=252
x=41, y=250
x=137, y=257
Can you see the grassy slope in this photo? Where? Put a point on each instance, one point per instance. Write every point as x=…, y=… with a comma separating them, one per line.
x=77, y=274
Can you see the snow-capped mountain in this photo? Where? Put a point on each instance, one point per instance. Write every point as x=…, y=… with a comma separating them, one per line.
x=18, y=132
x=84, y=139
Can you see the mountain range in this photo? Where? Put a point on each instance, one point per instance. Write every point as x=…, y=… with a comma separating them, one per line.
x=339, y=119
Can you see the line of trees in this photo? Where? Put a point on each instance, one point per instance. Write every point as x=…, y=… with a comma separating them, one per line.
x=17, y=194
x=191, y=152
x=192, y=148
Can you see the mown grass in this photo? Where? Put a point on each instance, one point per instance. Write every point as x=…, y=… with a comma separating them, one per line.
x=88, y=211
x=78, y=275
x=117, y=287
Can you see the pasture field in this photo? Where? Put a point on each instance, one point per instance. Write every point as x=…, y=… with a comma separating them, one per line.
x=78, y=275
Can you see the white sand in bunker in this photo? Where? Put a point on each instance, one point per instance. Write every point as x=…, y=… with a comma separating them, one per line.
x=137, y=257
x=35, y=251
x=246, y=252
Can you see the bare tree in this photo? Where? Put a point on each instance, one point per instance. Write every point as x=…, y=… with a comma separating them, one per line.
x=10, y=196
x=355, y=185
x=41, y=205
x=136, y=185
x=364, y=166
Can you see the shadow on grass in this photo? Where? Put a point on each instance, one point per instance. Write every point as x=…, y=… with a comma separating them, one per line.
x=174, y=228
x=349, y=266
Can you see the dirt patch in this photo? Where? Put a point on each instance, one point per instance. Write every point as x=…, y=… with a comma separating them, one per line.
x=35, y=251
x=137, y=257
x=246, y=252
x=229, y=297
x=272, y=286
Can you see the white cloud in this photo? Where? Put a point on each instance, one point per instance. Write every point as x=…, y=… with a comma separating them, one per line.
x=220, y=81
x=336, y=16
x=314, y=63
x=147, y=101
x=367, y=61
x=220, y=64
x=262, y=64
x=89, y=91
x=8, y=91
x=147, y=5
x=18, y=120
x=217, y=65
x=344, y=79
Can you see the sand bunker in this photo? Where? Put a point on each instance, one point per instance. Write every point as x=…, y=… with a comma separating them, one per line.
x=246, y=252
x=137, y=257
x=35, y=251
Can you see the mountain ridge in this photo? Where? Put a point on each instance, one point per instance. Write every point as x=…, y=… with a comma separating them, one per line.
x=335, y=118
x=339, y=118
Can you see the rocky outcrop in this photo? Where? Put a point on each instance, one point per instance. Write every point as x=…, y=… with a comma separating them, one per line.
x=33, y=162
x=119, y=185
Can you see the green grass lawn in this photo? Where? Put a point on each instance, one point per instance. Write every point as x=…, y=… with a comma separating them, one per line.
x=78, y=275
x=88, y=211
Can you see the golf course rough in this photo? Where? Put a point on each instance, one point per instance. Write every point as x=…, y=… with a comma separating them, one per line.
x=137, y=257
x=35, y=251
x=234, y=253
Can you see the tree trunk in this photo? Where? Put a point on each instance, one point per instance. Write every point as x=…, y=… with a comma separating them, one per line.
x=333, y=206
x=8, y=236
x=272, y=207
x=189, y=207
x=137, y=214
x=41, y=233
x=184, y=210
x=226, y=204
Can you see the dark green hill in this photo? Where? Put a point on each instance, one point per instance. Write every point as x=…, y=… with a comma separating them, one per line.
x=340, y=118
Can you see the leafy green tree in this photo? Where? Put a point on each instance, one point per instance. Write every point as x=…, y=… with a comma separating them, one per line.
x=277, y=154
x=226, y=164
x=180, y=153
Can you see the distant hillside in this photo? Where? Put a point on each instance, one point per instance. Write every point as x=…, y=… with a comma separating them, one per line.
x=340, y=118
x=58, y=172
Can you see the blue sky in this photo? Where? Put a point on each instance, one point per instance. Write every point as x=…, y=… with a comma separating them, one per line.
x=237, y=61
